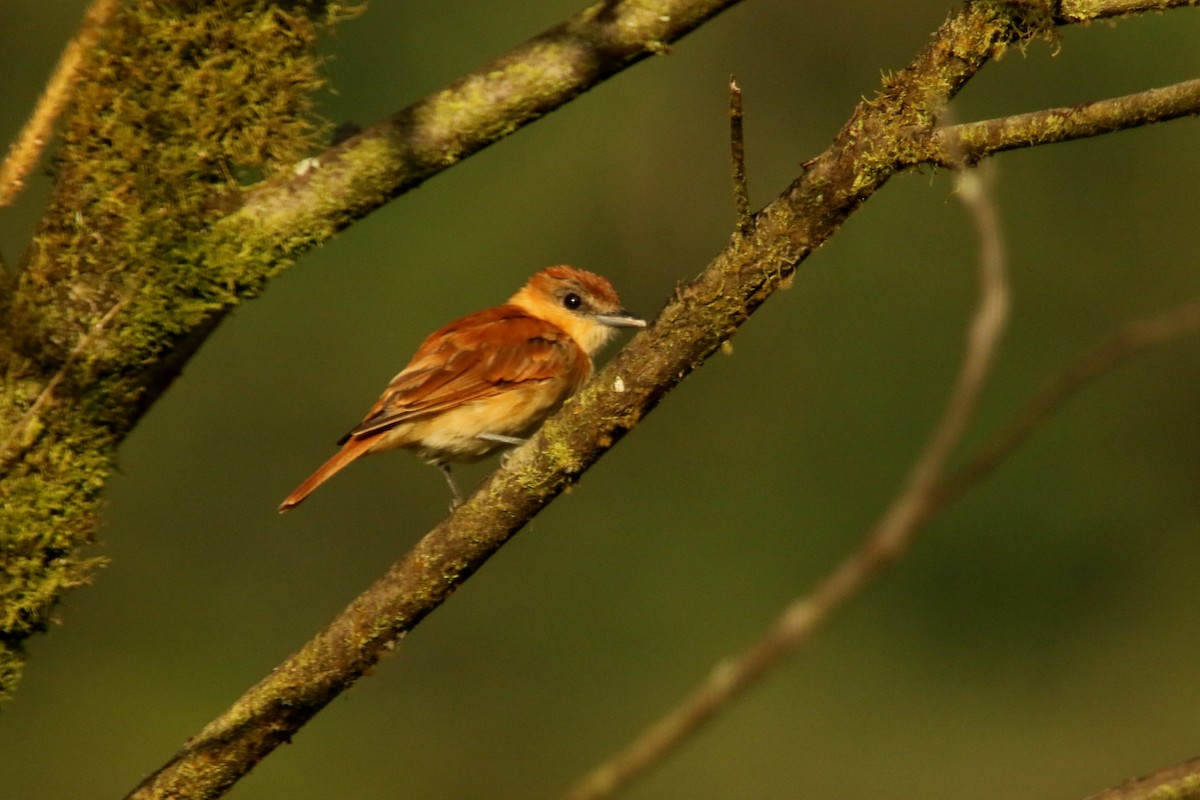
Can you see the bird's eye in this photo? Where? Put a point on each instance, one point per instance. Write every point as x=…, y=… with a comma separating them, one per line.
x=572, y=301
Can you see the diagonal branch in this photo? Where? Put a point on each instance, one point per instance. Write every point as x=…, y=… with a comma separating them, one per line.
x=700, y=317
x=358, y=176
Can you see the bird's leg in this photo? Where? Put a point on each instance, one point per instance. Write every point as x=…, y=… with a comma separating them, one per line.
x=495, y=437
x=511, y=440
x=457, y=501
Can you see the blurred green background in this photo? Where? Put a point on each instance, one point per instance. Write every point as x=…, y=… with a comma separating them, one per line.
x=1041, y=641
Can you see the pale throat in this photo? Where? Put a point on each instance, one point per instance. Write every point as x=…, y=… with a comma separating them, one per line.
x=589, y=334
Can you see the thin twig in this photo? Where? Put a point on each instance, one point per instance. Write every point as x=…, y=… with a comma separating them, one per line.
x=885, y=542
x=802, y=618
x=1131, y=338
x=24, y=153
x=737, y=145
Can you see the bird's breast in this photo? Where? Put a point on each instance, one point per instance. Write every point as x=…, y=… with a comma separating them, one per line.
x=453, y=434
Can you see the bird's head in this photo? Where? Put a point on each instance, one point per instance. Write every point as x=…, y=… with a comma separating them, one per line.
x=582, y=303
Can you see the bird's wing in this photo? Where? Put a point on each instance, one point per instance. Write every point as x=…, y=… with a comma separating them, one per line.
x=478, y=356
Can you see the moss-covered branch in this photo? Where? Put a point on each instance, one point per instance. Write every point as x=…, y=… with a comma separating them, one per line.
x=1178, y=782
x=694, y=324
x=1087, y=10
x=976, y=140
x=151, y=236
x=884, y=136
x=531, y=80
x=177, y=105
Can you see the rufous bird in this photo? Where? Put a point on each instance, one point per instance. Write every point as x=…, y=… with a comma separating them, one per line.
x=489, y=379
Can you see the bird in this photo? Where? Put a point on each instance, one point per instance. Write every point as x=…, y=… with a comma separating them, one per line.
x=489, y=379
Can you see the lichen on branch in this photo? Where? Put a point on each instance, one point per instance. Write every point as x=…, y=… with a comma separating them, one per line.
x=180, y=106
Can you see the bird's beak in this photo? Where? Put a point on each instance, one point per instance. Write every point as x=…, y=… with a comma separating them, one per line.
x=621, y=319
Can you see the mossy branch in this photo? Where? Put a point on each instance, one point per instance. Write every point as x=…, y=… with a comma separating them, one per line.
x=1068, y=11
x=977, y=140
x=877, y=142
x=183, y=104
x=150, y=217
x=358, y=176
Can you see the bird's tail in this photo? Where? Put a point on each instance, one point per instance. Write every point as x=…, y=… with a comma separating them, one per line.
x=350, y=451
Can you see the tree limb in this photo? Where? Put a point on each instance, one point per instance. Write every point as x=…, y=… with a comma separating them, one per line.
x=977, y=140
x=385, y=160
x=700, y=317
x=174, y=243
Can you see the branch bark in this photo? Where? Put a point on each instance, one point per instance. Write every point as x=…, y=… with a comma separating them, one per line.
x=1086, y=10
x=1180, y=782
x=175, y=251
x=977, y=140
x=233, y=241
x=349, y=181
x=866, y=153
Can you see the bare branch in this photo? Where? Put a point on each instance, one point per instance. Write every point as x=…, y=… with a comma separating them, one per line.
x=737, y=144
x=801, y=619
x=1131, y=339
x=25, y=151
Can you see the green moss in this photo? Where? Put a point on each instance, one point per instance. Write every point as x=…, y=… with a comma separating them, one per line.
x=180, y=107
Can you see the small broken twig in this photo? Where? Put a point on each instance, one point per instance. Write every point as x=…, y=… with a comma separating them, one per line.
x=741, y=194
